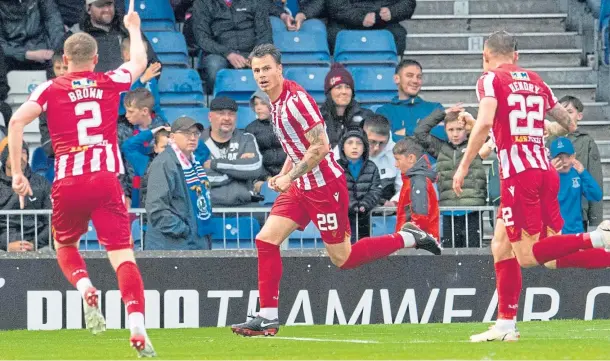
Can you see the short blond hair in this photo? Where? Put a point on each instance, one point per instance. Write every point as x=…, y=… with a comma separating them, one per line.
x=80, y=48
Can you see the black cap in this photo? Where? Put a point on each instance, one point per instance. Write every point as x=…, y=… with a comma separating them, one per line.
x=223, y=103
x=185, y=123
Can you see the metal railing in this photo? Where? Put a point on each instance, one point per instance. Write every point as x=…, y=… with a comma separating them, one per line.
x=237, y=227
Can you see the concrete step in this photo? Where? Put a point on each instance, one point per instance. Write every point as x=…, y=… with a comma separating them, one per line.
x=517, y=23
x=475, y=41
x=606, y=185
x=604, y=148
x=450, y=7
x=572, y=75
x=443, y=59
x=467, y=94
x=598, y=129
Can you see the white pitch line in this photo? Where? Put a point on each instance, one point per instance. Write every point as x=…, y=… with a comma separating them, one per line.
x=322, y=339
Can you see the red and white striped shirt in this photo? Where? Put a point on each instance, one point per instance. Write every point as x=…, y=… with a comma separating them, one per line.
x=294, y=113
x=82, y=112
x=518, y=129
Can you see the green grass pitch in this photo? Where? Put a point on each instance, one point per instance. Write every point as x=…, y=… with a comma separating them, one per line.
x=583, y=340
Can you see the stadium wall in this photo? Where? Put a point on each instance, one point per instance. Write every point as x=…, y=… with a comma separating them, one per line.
x=215, y=289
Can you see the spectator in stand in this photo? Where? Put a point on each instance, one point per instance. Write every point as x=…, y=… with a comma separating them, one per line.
x=363, y=182
x=406, y=109
x=377, y=129
x=160, y=141
x=178, y=204
x=181, y=8
x=31, y=31
x=5, y=110
x=575, y=182
x=105, y=24
x=23, y=239
x=227, y=31
x=310, y=11
x=369, y=15
x=59, y=68
x=72, y=12
x=460, y=228
x=340, y=110
x=269, y=146
x=587, y=154
x=418, y=202
x=235, y=162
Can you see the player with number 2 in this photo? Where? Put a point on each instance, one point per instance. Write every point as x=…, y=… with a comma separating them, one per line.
x=313, y=188
x=82, y=108
x=513, y=104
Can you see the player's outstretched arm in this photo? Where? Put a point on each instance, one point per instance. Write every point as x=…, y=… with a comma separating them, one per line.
x=137, y=52
x=318, y=149
x=562, y=117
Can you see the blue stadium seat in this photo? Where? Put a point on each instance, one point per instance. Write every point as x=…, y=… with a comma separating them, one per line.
x=136, y=236
x=382, y=225
x=180, y=87
x=156, y=15
x=374, y=85
x=232, y=229
x=43, y=165
x=88, y=241
x=302, y=48
x=309, y=26
x=311, y=79
x=245, y=116
x=170, y=47
x=366, y=47
x=310, y=235
x=237, y=84
x=200, y=114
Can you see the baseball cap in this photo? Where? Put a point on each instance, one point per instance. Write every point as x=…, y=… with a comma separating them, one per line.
x=223, y=103
x=561, y=145
x=99, y=3
x=185, y=123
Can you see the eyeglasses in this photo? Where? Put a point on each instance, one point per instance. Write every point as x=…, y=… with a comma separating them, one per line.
x=374, y=143
x=195, y=134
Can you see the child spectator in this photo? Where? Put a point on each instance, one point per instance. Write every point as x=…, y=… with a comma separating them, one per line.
x=417, y=203
x=575, y=182
x=363, y=181
x=59, y=69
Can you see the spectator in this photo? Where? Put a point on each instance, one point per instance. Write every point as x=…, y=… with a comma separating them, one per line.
x=309, y=12
x=406, y=109
x=377, y=129
x=369, y=15
x=574, y=183
x=9, y=200
x=418, y=203
x=59, y=69
x=460, y=228
x=363, y=182
x=340, y=110
x=178, y=204
x=269, y=146
x=105, y=24
x=181, y=8
x=587, y=154
x=31, y=31
x=71, y=11
x=227, y=31
x=161, y=139
x=235, y=159
x=5, y=110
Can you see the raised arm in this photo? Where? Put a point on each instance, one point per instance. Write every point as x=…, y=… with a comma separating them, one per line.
x=137, y=52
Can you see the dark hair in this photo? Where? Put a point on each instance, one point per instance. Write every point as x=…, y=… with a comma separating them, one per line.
x=57, y=57
x=377, y=124
x=407, y=146
x=159, y=134
x=405, y=63
x=576, y=103
x=501, y=42
x=139, y=98
x=267, y=49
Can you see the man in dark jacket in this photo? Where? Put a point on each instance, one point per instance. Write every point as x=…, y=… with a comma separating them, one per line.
x=369, y=15
x=227, y=31
x=340, y=110
x=31, y=31
x=363, y=181
x=460, y=228
x=5, y=109
x=9, y=200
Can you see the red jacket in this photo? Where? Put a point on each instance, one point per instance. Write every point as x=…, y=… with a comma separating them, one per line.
x=418, y=202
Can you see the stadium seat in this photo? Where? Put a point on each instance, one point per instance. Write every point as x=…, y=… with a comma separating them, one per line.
x=373, y=85
x=136, y=236
x=245, y=116
x=43, y=165
x=366, y=47
x=309, y=26
x=269, y=194
x=302, y=48
x=237, y=231
x=22, y=83
x=156, y=15
x=88, y=241
x=310, y=235
x=170, y=47
x=311, y=79
x=200, y=114
x=180, y=87
x=382, y=225
x=237, y=84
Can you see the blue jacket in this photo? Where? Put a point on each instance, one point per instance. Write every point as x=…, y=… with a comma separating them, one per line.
x=153, y=87
x=572, y=187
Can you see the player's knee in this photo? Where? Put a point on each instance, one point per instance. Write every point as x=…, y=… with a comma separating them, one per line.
x=527, y=261
x=338, y=259
x=119, y=256
x=61, y=245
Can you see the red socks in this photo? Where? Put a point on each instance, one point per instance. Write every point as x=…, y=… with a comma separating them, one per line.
x=71, y=264
x=269, y=273
x=372, y=248
x=555, y=247
x=590, y=259
x=508, y=284
x=131, y=286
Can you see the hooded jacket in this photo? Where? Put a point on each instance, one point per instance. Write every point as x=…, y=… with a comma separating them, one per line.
x=9, y=200
x=418, y=202
x=354, y=116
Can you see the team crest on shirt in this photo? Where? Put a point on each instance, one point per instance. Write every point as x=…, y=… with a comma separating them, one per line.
x=575, y=182
x=83, y=83
x=520, y=75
